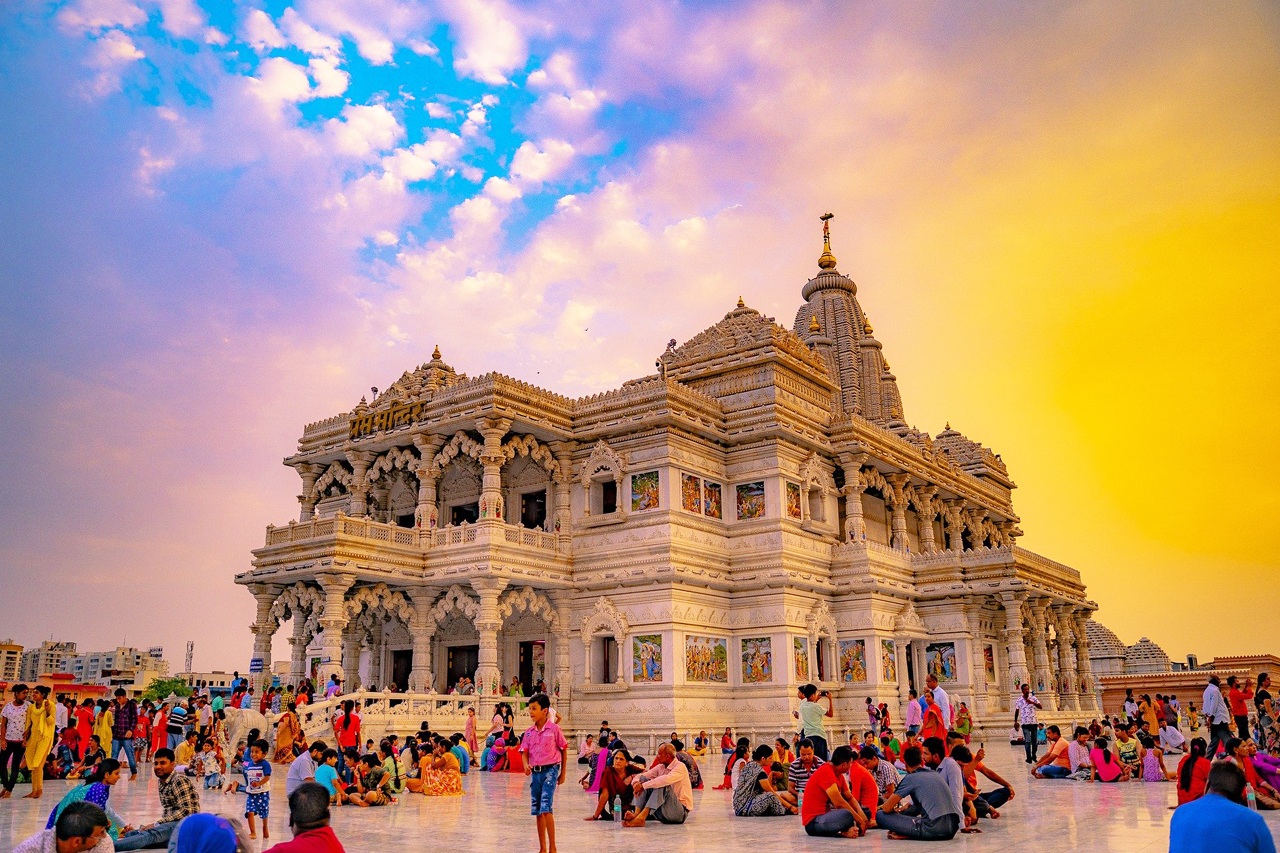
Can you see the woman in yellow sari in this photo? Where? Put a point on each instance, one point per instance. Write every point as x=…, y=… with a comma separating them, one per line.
x=102, y=727
x=40, y=732
x=288, y=733
x=441, y=774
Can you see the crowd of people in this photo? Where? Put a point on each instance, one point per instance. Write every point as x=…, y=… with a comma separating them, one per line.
x=928, y=784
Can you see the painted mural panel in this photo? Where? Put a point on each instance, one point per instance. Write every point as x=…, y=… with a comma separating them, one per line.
x=706, y=659
x=644, y=491
x=853, y=660
x=751, y=500
x=713, y=501
x=940, y=661
x=802, y=658
x=793, y=500
x=691, y=493
x=757, y=660
x=646, y=666
x=889, y=657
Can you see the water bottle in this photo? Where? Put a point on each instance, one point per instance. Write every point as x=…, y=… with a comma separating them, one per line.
x=617, y=809
x=1251, y=797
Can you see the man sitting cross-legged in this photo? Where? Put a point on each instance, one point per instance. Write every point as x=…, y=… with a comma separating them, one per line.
x=663, y=790
x=829, y=809
x=933, y=815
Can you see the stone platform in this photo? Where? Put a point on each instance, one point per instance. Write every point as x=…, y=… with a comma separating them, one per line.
x=493, y=817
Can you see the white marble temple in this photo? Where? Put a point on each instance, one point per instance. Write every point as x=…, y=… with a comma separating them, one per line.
x=493, y=816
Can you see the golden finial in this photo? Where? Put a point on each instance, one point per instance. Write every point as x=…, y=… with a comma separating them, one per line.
x=435, y=356
x=826, y=261
x=814, y=328
x=866, y=324
x=741, y=304
x=948, y=427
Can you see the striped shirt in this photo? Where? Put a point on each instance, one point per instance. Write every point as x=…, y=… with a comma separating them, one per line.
x=799, y=774
x=177, y=720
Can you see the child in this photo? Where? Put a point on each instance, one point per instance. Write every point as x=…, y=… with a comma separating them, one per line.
x=373, y=784
x=327, y=775
x=545, y=752
x=258, y=770
x=210, y=766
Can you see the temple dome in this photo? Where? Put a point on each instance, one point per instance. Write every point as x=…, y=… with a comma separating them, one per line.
x=1146, y=656
x=1103, y=642
x=828, y=279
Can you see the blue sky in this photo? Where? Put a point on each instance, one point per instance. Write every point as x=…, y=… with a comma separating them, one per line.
x=223, y=221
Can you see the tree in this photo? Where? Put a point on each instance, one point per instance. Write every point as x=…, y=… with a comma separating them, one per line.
x=160, y=688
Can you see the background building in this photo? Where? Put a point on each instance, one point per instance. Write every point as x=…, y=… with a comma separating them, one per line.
x=119, y=666
x=10, y=661
x=48, y=658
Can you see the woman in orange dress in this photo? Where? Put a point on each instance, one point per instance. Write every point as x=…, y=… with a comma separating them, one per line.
x=933, y=725
x=288, y=732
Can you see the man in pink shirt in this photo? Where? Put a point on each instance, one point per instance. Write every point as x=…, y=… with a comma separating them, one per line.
x=663, y=790
x=545, y=754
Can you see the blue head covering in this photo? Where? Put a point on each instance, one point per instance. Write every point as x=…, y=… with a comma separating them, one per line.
x=205, y=833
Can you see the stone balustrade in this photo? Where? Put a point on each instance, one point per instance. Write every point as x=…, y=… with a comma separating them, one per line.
x=485, y=531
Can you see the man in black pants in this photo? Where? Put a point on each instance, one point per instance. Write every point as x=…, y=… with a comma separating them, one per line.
x=14, y=725
x=1025, y=709
x=933, y=815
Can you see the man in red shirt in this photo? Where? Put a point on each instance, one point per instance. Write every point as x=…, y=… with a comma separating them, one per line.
x=1237, y=698
x=862, y=785
x=828, y=809
x=309, y=822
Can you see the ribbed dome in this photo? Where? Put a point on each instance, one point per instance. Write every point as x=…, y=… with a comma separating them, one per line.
x=1103, y=642
x=1146, y=656
x=829, y=279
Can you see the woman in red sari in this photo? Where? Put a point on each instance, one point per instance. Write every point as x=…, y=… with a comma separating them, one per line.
x=933, y=725
x=84, y=724
x=159, y=730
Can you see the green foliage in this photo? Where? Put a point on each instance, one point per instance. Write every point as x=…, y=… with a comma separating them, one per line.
x=160, y=688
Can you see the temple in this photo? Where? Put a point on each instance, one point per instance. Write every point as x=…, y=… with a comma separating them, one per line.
x=680, y=552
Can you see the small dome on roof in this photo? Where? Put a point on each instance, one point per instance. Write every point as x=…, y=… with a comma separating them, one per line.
x=1103, y=642
x=1146, y=656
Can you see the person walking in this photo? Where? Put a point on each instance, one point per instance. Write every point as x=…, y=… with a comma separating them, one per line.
x=1216, y=715
x=14, y=717
x=40, y=731
x=124, y=720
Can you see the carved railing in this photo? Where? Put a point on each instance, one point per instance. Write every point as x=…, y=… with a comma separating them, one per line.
x=486, y=530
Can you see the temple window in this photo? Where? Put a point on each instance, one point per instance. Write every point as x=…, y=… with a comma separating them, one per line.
x=469, y=513
x=607, y=660
x=604, y=497
x=533, y=509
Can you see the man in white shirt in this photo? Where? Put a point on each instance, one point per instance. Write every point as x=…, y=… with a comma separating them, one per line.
x=303, y=768
x=61, y=715
x=1078, y=755
x=940, y=696
x=663, y=790
x=1216, y=714
x=1172, y=741
x=14, y=723
x=1024, y=709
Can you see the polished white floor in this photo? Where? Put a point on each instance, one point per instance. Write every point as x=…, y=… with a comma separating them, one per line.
x=493, y=817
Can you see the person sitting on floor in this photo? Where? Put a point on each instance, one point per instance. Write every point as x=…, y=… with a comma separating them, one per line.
x=884, y=773
x=663, y=791
x=309, y=822
x=615, y=783
x=1219, y=821
x=933, y=815
x=1193, y=772
x=700, y=743
x=1103, y=766
x=828, y=809
x=755, y=795
x=1128, y=751
x=802, y=768
x=1056, y=763
x=986, y=804
x=81, y=826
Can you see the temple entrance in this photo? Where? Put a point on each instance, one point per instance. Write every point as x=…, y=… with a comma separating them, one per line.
x=401, y=664
x=462, y=662
x=533, y=665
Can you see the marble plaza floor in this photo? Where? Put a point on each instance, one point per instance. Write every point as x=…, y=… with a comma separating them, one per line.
x=493, y=816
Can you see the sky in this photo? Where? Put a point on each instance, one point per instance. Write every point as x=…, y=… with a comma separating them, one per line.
x=221, y=221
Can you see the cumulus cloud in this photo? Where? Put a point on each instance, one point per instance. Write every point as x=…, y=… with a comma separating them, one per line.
x=364, y=129
x=490, y=45
x=109, y=56
x=331, y=81
x=185, y=19
x=93, y=15
x=307, y=38
x=535, y=164
x=260, y=32
x=280, y=81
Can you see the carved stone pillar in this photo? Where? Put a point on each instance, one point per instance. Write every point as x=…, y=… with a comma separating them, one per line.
x=974, y=516
x=897, y=497
x=310, y=472
x=977, y=661
x=1043, y=682
x=1084, y=668
x=1015, y=641
x=488, y=624
x=561, y=684
x=333, y=621
x=264, y=628
x=298, y=649
x=493, y=430
x=428, y=511
x=1067, y=639
x=855, y=528
x=422, y=627
x=953, y=514
x=925, y=508
x=351, y=657
x=563, y=480
x=360, y=461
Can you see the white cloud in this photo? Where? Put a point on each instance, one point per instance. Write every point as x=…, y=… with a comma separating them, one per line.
x=260, y=32
x=88, y=15
x=331, y=81
x=307, y=38
x=376, y=26
x=420, y=162
x=386, y=238
x=490, y=46
x=183, y=18
x=422, y=47
x=281, y=81
x=364, y=129
x=435, y=109
x=109, y=57
x=501, y=189
x=150, y=167
x=533, y=164
x=557, y=72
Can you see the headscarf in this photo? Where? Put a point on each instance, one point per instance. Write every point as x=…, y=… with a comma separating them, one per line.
x=205, y=833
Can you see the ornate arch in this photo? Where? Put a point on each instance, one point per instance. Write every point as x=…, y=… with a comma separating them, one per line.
x=605, y=617
x=871, y=478
x=337, y=472
x=527, y=445
x=820, y=622
x=295, y=601
x=909, y=622
x=456, y=599
x=530, y=600
x=460, y=444
x=603, y=458
x=814, y=475
x=397, y=457
x=380, y=600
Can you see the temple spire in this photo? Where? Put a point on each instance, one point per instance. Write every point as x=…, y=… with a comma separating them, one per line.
x=826, y=261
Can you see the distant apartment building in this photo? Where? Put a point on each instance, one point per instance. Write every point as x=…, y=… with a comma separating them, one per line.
x=120, y=667
x=10, y=661
x=48, y=658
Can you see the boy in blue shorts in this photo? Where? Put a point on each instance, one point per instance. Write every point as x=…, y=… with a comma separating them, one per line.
x=258, y=770
x=545, y=754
